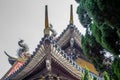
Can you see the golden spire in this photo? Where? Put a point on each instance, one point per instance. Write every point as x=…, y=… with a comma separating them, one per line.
x=46, y=31
x=71, y=14
x=46, y=17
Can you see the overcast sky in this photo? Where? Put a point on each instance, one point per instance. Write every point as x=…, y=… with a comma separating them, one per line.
x=24, y=19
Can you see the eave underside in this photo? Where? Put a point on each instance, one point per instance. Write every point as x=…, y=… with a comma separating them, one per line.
x=37, y=67
x=57, y=71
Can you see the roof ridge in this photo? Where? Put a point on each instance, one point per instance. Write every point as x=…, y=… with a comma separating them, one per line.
x=69, y=26
x=26, y=62
x=72, y=62
x=58, y=48
x=62, y=52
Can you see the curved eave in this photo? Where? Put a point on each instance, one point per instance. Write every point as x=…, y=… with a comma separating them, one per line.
x=67, y=63
x=28, y=65
x=56, y=53
x=85, y=64
x=37, y=59
x=63, y=62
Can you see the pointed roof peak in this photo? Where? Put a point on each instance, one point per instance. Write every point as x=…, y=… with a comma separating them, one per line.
x=46, y=16
x=71, y=14
x=46, y=30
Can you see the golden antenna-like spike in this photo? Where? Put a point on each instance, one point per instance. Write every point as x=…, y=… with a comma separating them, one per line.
x=71, y=14
x=46, y=17
x=46, y=31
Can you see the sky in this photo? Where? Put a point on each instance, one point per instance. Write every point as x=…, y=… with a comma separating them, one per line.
x=24, y=19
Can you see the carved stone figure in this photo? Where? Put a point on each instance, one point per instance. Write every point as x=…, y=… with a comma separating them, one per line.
x=71, y=42
x=48, y=65
x=54, y=33
x=22, y=53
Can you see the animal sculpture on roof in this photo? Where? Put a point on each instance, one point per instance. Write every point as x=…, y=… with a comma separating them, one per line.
x=23, y=48
x=54, y=33
x=22, y=53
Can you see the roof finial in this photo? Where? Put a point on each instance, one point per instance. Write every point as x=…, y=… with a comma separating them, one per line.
x=71, y=14
x=46, y=31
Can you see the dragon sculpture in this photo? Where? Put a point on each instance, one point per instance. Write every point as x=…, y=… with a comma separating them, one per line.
x=22, y=53
x=54, y=33
x=23, y=48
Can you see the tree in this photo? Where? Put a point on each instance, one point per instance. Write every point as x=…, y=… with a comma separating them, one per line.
x=102, y=22
x=93, y=51
x=90, y=46
x=116, y=68
x=83, y=16
x=104, y=19
x=77, y=1
x=107, y=38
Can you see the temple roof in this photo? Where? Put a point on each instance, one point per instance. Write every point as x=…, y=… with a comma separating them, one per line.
x=58, y=54
x=68, y=33
x=65, y=37
x=39, y=55
x=85, y=64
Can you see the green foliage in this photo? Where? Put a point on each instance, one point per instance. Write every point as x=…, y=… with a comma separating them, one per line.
x=77, y=1
x=107, y=37
x=116, y=68
x=106, y=77
x=92, y=50
x=118, y=32
x=96, y=32
x=106, y=22
x=94, y=78
x=83, y=16
x=86, y=75
x=102, y=17
x=101, y=11
x=107, y=11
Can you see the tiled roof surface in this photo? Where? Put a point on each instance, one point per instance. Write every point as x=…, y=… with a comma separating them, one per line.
x=85, y=64
x=63, y=55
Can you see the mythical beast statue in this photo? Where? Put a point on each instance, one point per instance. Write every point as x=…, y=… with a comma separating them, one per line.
x=23, y=50
x=54, y=33
x=22, y=53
